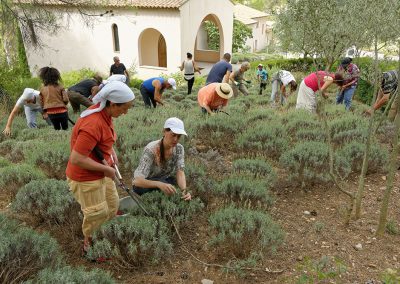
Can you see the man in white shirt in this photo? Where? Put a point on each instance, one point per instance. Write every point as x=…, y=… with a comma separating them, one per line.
x=31, y=102
x=282, y=79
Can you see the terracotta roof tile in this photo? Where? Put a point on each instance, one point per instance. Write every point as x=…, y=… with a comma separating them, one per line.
x=164, y=4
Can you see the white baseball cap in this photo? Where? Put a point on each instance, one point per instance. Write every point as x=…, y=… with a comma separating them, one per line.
x=172, y=82
x=176, y=125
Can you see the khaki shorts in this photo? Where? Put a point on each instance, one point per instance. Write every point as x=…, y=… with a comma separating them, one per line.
x=99, y=202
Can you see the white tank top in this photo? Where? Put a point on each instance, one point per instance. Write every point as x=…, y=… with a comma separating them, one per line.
x=188, y=68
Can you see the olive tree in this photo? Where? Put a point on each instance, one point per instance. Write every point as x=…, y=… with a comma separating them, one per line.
x=320, y=28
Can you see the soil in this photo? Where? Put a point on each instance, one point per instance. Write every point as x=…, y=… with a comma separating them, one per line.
x=313, y=234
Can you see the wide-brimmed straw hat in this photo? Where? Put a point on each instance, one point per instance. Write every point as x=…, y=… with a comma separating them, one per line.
x=224, y=90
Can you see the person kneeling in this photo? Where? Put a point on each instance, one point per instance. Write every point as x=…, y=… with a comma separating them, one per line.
x=162, y=163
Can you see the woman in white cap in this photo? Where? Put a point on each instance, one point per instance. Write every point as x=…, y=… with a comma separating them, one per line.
x=90, y=181
x=214, y=97
x=31, y=102
x=162, y=163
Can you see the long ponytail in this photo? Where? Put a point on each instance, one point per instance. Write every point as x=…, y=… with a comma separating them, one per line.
x=162, y=152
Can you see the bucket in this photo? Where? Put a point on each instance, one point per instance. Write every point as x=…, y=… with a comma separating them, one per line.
x=126, y=203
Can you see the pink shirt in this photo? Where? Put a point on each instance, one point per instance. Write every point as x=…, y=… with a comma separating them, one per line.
x=209, y=97
x=311, y=80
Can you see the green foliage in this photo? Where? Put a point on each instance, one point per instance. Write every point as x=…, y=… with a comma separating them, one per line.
x=244, y=232
x=392, y=228
x=201, y=184
x=48, y=200
x=244, y=189
x=319, y=226
x=353, y=153
x=241, y=33
x=213, y=37
x=347, y=128
x=4, y=162
x=73, y=77
x=294, y=65
x=14, y=176
x=307, y=162
x=68, y=274
x=326, y=268
x=22, y=60
x=256, y=168
x=160, y=206
x=390, y=276
x=133, y=240
x=24, y=252
x=269, y=139
x=135, y=82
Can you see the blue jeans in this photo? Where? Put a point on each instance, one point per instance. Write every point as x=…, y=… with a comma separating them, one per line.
x=346, y=95
x=31, y=113
x=141, y=190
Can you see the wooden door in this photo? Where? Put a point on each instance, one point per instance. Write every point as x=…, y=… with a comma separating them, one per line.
x=162, y=52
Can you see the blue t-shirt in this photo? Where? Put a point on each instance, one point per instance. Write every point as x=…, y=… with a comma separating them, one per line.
x=218, y=72
x=262, y=73
x=148, y=84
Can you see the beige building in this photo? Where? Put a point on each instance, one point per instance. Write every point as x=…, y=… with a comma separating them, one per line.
x=260, y=24
x=152, y=36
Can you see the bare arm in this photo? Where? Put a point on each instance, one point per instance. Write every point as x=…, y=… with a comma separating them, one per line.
x=182, y=66
x=381, y=100
x=167, y=188
x=283, y=90
x=87, y=163
x=324, y=87
x=94, y=91
x=226, y=77
x=231, y=78
x=157, y=89
x=196, y=68
x=7, y=129
x=181, y=180
x=208, y=109
x=126, y=73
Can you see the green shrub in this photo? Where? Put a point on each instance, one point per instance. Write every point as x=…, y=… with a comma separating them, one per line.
x=307, y=161
x=270, y=139
x=133, y=240
x=201, y=184
x=73, y=77
x=244, y=232
x=24, y=252
x=68, y=274
x=321, y=270
x=161, y=206
x=353, y=154
x=257, y=168
x=14, y=176
x=315, y=134
x=298, y=64
x=348, y=128
x=390, y=276
x=245, y=190
x=4, y=162
x=301, y=120
x=135, y=83
x=48, y=200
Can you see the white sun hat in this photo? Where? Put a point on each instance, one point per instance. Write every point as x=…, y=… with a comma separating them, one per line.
x=172, y=82
x=176, y=125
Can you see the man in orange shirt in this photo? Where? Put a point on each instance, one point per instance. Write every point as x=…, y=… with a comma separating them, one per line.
x=90, y=181
x=214, y=97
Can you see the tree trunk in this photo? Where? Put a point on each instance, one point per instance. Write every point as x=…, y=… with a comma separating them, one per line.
x=364, y=169
x=392, y=170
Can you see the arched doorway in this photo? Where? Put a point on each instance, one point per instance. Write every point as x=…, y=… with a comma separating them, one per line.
x=209, y=43
x=152, y=48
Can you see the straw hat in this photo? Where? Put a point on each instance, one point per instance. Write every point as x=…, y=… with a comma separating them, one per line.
x=224, y=90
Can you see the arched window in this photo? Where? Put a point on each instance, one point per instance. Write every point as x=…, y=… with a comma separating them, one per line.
x=115, y=37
